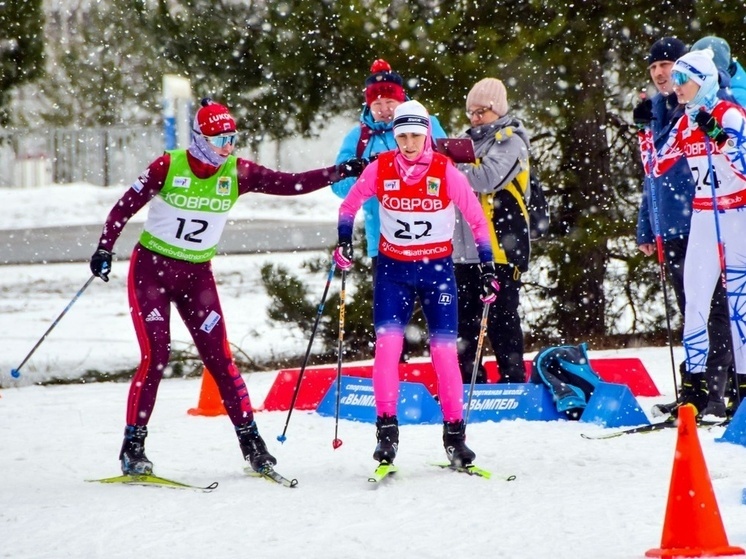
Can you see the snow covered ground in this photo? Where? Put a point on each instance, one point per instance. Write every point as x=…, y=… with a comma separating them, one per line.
x=573, y=498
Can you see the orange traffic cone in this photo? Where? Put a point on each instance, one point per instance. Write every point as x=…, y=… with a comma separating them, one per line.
x=210, y=402
x=693, y=527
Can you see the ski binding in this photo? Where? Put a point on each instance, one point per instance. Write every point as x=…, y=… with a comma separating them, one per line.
x=383, y=470
x=269, y=473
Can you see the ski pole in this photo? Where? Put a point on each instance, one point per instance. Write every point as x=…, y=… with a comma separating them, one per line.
x=337, y=442
x=282, y=438
x=477, y=357
x=721, y=247
x=661, y=265
x=15, y=373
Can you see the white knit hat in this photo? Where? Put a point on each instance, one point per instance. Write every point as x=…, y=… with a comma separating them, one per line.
x=412, y=117
x=698, y=65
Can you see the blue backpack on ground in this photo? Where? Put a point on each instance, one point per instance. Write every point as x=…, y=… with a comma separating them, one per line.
x=567, y=372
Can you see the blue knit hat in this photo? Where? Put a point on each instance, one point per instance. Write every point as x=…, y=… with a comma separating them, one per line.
x=720, y=50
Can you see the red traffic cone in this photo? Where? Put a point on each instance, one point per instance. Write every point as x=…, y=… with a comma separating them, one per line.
x=210, y=402
x=693, y=527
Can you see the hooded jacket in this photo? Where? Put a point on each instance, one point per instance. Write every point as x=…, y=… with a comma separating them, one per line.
x=738, y=83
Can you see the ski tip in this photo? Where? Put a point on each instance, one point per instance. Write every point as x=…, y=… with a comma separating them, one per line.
x=15, y=373
x=282, y=438
x=336, y=443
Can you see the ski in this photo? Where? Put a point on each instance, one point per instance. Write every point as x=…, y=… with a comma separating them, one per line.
x=471, y=470
x=150, y=480
x=639, y=429
x=720, y=423
x=383, y=470
x=268, y=472
x=668, y=424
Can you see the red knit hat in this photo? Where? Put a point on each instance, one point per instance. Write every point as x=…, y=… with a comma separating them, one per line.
x=213, y=119
x=383, y=83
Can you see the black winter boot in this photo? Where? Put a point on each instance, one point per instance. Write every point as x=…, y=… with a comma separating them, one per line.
x=253, y=448
x=454, y=441
x=132, y=456
x=387, y=435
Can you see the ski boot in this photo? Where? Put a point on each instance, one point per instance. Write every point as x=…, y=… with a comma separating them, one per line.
x=253, y=448
x=694, y=391
x=716, y=409
x=132, y=456
x=717, y=382
x=736, y=394
x=454, y=441
x=387, y=434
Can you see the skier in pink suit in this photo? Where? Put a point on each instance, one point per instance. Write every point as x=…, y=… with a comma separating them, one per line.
x=190, y=193
x=417, y=190
x=720, y=126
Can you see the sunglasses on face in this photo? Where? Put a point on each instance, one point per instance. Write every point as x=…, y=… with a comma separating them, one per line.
x=479, y=113
x=679, y=78
x=222, y=140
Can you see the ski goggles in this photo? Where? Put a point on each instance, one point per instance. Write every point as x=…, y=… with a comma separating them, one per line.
x=679, y=78
x=222, y=140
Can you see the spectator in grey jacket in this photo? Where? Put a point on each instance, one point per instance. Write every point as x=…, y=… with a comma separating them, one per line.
x=500, y=178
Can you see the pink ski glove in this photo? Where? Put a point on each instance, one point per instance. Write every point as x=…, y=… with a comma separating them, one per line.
x=490, y=287
x=343, y=255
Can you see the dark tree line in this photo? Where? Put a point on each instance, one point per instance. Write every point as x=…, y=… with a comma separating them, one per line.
x=21, y=48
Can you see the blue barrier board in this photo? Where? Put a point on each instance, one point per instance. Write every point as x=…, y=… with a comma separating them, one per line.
x=498, y=402
x=416, y=405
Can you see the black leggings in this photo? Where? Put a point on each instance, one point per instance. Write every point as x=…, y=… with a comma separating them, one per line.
x=503, y=326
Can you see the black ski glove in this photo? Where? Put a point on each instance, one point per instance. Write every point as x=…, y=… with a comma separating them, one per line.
x=101, y=264
x=709, y=125
x=352, y=167
x=642, y=114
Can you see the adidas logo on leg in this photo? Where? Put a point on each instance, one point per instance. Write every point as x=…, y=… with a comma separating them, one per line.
x=154, y=316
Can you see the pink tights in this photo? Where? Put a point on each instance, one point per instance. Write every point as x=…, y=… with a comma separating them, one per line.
x=386, y=374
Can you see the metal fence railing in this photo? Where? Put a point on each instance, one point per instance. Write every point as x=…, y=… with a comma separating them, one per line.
x=100, y=156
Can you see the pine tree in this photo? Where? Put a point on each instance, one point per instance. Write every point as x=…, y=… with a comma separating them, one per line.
x=573, y=71
x=21, y=48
